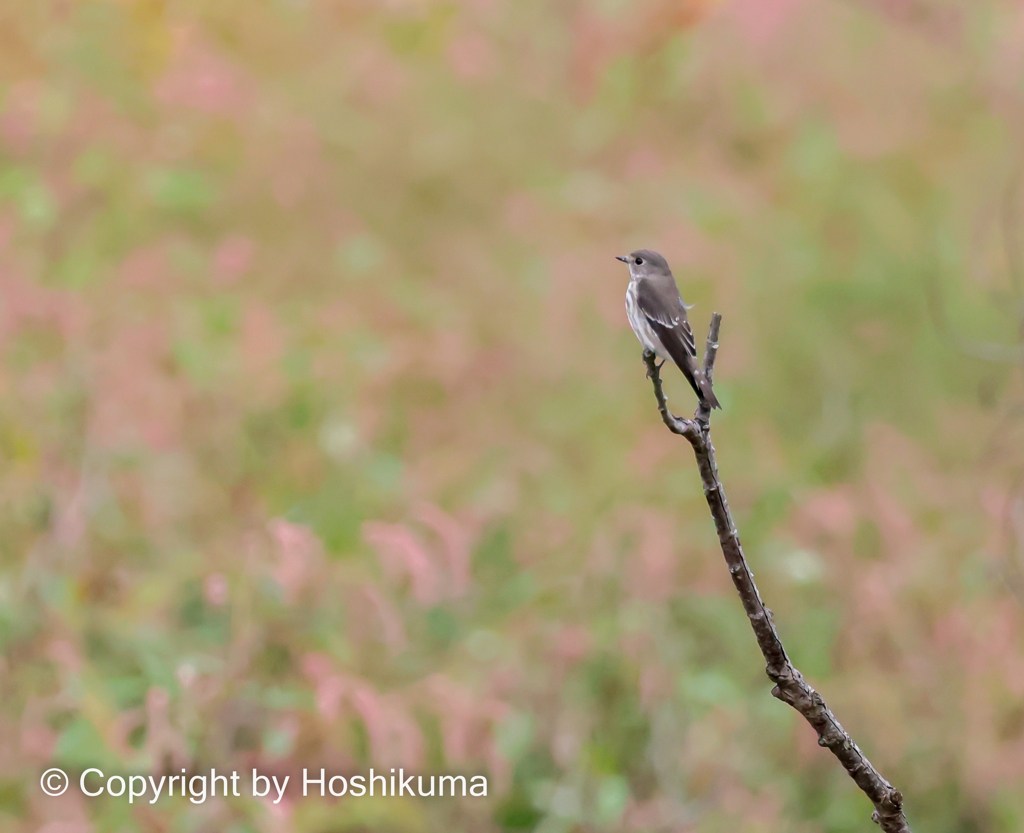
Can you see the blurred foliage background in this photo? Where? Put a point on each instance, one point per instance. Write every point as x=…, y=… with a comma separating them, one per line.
x=325, y=442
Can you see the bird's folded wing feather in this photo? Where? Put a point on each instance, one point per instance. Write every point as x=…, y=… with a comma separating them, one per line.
x=668, y=321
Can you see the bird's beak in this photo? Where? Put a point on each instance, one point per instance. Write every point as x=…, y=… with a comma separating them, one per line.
x=623, y=259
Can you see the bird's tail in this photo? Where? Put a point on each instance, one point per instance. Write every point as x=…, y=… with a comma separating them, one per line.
x=704, y=390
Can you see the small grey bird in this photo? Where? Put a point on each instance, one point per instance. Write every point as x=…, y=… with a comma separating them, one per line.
x=658, y=317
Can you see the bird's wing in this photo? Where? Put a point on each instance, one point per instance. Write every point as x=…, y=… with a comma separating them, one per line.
x=667, y=320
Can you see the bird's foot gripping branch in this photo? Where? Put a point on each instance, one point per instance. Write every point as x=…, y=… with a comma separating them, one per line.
x=790, y=686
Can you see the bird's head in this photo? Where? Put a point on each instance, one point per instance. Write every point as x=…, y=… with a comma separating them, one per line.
x=645, y=263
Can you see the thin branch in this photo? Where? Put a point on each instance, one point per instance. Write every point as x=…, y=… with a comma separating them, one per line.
x=790, y=686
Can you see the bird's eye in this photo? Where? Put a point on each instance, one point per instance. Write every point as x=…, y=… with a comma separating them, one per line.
x=639, y=261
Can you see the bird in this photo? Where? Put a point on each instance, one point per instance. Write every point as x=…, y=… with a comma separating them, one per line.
x=657, y=314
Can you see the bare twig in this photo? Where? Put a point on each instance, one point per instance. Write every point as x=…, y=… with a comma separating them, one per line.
x=790, y=686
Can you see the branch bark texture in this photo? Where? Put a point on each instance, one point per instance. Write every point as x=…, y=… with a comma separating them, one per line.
x=790, y=686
